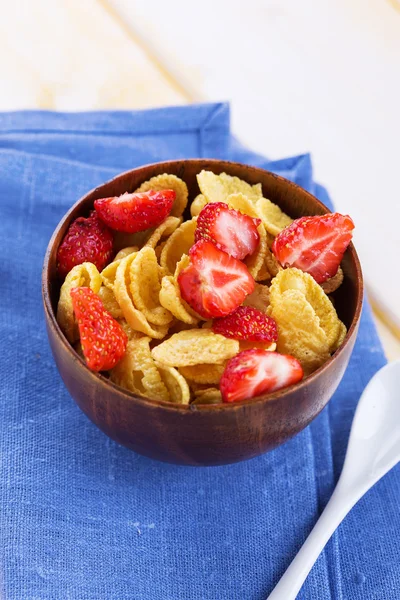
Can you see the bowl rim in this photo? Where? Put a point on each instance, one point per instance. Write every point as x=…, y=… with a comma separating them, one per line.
x=190, y=408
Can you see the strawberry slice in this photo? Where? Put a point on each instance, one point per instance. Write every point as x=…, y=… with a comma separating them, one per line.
x=214, y=283
x=135, y=212
x=87, y=240
x=102, y=337
x=247, y=323
x=230, y=230
x=253, y=372
x=315, y=244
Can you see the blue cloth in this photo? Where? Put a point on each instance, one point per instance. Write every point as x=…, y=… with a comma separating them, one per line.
x=82, y=518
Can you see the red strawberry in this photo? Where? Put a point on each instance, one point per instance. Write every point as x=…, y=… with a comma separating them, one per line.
x=315, y=244
x=214, y=283
x=253, y=372
x=135, y=212
x=87, y=240
x=229, y=229
x=247, y=323
x=102, y=337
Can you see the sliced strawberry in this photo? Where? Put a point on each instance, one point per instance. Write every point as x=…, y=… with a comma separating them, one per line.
x=315, y=244
x=247, y=323
x=253, y=372
x=135, y=212
x=102, y=337
x=229, y=229
x=214, y=283
x=87, y=240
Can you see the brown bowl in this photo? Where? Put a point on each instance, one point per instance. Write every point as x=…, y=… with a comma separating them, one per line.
x=202, y=434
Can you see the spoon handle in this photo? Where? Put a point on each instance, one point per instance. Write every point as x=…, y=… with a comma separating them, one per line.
x=334, y=513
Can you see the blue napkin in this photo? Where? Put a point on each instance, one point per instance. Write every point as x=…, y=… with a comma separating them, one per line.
x=82, y=518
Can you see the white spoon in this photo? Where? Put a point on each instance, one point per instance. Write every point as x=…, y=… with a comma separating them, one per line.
x=373, y=449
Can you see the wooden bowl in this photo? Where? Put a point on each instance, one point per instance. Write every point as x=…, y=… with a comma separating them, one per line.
x=202, y=434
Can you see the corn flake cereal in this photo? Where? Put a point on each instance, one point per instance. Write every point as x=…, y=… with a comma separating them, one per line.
x=165, y=229
x=132, y=334
x=272, y=216
x=175, y=383
x=110, y=303
x=145, y=287
x=247, y=345
x=173, y=354
x=199, y=389
x=109, y=272
x=241, y=203
x=125, y=252
x=295, y=279
x=210, y=374
x=208, y=396
x=271, y=263
x=299, y=330
x=255, y=262
x=178, y=243
x=169, y=182
x=159, y=248
x=170, y=298
x=331, y=285
x=133, y=316
x=259, y=298
x=269, y=268
x=216, y=188
x=125, y=240
x=193, y=347
x=197, y=205
x=84, y=275
x=270, y=240
x=137, y=372
x=263, y=274
x=178, y=326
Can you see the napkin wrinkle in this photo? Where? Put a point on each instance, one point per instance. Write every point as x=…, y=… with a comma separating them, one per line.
x=218, y=118
x=216, y=124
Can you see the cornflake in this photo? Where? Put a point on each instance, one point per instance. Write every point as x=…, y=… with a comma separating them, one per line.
x=194, y=347
x=217, y=188
x=178, y=243
x=133, y=316
x=137, y=371
x=145, y=287
x=273, y=218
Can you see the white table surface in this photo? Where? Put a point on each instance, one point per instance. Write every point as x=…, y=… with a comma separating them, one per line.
x=302, y=76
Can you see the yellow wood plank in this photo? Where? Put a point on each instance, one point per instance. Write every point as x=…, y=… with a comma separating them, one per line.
x=73, y=55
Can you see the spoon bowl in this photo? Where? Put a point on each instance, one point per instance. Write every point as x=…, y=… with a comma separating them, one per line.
x=374, y=444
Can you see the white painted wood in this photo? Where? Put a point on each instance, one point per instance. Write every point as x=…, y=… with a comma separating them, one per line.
x=74, y=55
x=302, y=76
